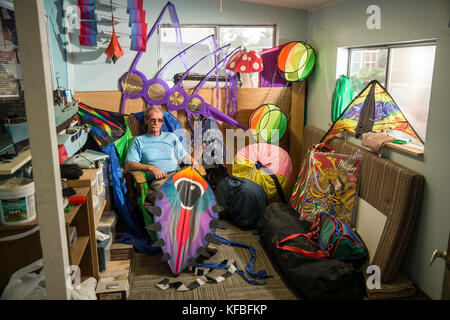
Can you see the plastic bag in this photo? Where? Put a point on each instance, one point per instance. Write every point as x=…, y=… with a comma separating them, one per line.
x=24, y=284
x=85, y=291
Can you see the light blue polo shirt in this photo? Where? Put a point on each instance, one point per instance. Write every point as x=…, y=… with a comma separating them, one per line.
x=163, y=151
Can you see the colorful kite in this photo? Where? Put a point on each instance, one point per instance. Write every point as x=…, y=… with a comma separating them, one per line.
x=185, y=219
x=296, y=61
x=267, y=123
x=106, y=127
x=114, y=51
x=269, y=166
x=372, y=110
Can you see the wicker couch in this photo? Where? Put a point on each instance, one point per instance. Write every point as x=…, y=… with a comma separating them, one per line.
x=392, y=189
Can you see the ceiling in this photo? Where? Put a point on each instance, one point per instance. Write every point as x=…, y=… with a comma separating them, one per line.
x=297, y=4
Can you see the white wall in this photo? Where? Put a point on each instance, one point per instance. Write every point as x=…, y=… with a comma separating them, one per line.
x=90, y=71
x=344, y=24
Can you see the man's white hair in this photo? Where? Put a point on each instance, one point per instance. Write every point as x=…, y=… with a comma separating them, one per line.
x=151, y=108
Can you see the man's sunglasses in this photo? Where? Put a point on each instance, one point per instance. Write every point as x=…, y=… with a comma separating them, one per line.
x=156, y=120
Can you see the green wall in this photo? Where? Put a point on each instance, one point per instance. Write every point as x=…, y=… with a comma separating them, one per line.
x=344, y=24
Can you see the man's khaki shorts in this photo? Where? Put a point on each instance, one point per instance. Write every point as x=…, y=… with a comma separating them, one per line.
x=156, y=185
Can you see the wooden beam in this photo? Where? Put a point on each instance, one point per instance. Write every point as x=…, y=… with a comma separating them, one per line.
x=37, y=81
x=296, y=124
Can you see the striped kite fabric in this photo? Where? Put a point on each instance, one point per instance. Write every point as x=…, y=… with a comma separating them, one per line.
x=206, y=275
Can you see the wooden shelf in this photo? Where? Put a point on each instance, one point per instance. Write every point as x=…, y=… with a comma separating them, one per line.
x=78, y=250
x=69, y=216
x=23, y=226
x=410, y=148
x=100, y=214
x=15, y=163
x=83, y=254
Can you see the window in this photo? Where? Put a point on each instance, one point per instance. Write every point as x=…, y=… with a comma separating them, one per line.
x=168, y=49
x=367, y=65
x=251, y=37
x=405, y=71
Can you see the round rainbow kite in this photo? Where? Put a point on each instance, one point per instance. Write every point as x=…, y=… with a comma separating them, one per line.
x=267, y=123
x=267, y=165
x=296, y=61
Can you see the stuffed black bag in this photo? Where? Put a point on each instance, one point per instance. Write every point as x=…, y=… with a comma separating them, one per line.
x=243, y=201
x=313, y=278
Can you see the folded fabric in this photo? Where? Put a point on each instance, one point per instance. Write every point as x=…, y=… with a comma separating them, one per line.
x=88, y=27
x=87, y=12
x=401, y=287
x=269, y=76
x=86, y=2
x=136, y=15
x=89, y=40
x=138, y=43
x=375, y=141
x=135, y=4
x=138, y=29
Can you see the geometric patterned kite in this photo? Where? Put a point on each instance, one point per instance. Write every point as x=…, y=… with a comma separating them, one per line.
x=106, y=126
x=372, y=110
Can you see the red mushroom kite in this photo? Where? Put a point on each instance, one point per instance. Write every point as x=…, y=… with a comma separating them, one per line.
x=245, y=62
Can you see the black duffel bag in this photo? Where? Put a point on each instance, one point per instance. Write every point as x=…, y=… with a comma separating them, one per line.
x=243, y=201
x=313, y=278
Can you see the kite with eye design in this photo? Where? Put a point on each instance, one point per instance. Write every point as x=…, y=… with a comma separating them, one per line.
x=186, y=216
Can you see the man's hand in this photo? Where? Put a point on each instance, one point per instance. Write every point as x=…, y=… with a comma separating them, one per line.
x=158, y=173
x=137, y=166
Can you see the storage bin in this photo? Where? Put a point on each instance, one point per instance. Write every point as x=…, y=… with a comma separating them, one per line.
x=107, y=223
x=104, y=253
x=98, y=202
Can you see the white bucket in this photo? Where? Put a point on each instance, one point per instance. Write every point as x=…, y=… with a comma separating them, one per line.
x=17, y=203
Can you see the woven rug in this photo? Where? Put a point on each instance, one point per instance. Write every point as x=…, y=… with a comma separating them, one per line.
x=149, y=270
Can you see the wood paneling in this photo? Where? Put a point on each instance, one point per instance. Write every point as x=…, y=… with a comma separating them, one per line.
x=290, y=100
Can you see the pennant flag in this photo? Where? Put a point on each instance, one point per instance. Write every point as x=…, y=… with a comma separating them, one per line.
x=86, y=2
x=138, y=43
x=372, y=110
x=87, y=12
x=138, y=37
x=89, y=40
x=136, y=15
x=138, y=29
x=88, y=27
x=134, y=4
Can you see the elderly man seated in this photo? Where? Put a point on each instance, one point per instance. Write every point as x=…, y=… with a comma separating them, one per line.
x=157, y=153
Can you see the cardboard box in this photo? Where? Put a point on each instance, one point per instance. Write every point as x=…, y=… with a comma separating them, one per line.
x=121, y=251
x=112, y=290
x=115, y=282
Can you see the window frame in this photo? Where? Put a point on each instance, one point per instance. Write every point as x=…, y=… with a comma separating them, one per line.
x=421, y=43
x=216, y=28
x=415, y=151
